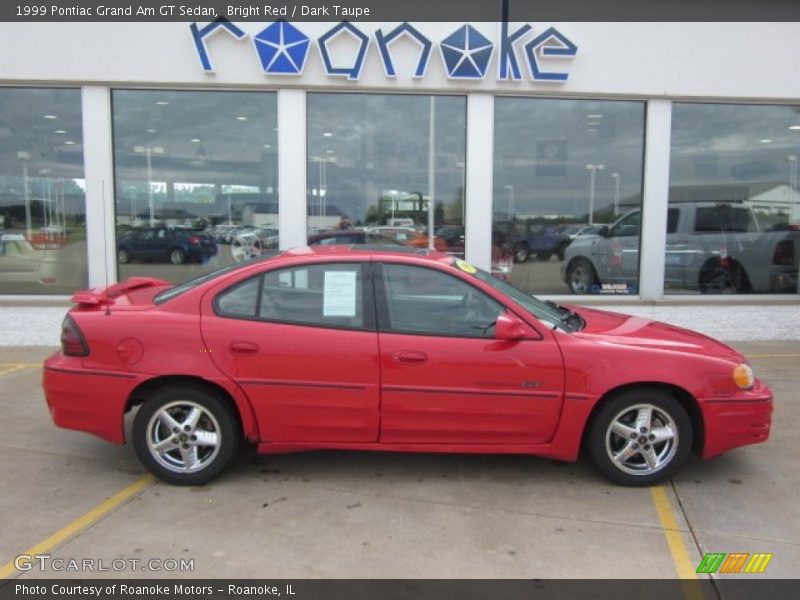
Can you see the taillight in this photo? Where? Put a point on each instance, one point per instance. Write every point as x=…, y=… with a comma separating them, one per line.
x=72, y=341
x=784, y=253
x=194, y=240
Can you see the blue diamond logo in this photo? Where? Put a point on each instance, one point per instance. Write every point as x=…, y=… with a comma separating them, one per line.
x=282, y=49
x=466, y=53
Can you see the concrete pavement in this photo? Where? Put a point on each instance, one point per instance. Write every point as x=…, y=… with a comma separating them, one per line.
x=349, y=514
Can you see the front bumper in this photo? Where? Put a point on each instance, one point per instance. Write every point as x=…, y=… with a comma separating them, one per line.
x=739, y=421
x=87, y=400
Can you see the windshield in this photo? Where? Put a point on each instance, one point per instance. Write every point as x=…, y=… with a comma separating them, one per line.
x=547, y=312
x=184, y=287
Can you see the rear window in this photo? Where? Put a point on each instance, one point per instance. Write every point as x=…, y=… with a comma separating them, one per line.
x=184, y=287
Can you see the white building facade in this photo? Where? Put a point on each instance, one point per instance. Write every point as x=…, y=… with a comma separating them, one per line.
x=481, y=137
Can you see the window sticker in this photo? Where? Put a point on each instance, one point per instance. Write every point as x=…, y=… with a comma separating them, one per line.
x=339, y=299
x=466, y=267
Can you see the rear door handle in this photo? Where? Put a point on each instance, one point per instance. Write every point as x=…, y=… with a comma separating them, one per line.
x=244, y=348
x=410, y=356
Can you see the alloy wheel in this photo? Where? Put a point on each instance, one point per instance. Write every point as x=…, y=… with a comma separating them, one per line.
x=641, y=439
x=183, y=437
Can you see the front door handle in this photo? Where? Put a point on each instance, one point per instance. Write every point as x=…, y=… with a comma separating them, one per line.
x=410, y=356
x=244, y=348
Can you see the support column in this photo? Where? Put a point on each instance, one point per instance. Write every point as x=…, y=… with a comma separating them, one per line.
x=479, y=178
x=656, y=193
x=98, y=166
x=292, y=212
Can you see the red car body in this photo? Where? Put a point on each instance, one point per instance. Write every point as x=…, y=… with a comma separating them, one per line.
x=299, y=388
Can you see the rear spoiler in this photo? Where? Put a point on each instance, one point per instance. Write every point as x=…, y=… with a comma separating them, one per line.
x=100, y=295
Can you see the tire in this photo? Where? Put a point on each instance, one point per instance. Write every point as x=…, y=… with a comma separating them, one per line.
x=714, y=279
x=194, y=460
x=521, y=253
x=123, y=257
x=630, y=461
x=581, y=276
x=177, y=256
x=544, y=255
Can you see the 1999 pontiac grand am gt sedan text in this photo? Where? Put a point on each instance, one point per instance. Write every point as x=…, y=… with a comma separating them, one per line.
x=378, y=349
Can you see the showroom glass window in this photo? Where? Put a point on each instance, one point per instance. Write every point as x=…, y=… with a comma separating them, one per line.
x=734, y=201
x=564, y=172
x=42, y=203
x=376, y=160
x=196, y=179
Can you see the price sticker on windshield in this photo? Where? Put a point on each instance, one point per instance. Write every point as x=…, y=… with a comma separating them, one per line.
x=466, y=267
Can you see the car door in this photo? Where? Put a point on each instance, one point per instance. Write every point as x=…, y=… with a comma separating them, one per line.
x=301, y=342
x=623, y=258
x=445, y=379
x=145, y=243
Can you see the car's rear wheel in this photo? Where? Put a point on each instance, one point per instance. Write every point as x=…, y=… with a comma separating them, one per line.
x=717, y=279
x=581, y=276
x=177, y=256
x=185, y=435
x=640, y=437
x=123, y=257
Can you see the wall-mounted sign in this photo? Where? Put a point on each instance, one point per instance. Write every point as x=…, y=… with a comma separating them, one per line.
x=466, y=53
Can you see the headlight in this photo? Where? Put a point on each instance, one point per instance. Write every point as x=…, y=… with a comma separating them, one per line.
x=743, y=376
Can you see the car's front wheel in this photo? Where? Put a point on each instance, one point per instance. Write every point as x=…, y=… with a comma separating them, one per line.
x=185, y=435
x=123, y=257
x=521, y=253
x=640, y=437
x=581, y=276
x=177, y=256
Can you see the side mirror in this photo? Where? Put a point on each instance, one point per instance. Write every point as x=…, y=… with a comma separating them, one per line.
x=510, y=327
x=604, y=231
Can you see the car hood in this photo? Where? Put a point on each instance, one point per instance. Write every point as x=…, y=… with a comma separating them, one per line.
x=625, y=330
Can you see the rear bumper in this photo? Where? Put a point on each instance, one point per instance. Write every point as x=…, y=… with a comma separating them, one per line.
x=87, y=400
x=735, y=422
x=783, y=282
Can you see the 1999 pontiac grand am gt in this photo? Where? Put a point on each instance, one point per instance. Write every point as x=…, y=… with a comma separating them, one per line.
x=378, y=349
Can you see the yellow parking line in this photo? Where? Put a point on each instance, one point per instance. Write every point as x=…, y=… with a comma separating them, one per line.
x=8, y=369
x=684, y=567
x=81, y=523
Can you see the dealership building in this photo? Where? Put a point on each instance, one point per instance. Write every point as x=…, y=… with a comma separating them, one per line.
x=646, y=165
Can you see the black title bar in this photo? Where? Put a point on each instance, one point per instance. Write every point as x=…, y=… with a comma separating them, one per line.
x=400, y=10
x=744, y=588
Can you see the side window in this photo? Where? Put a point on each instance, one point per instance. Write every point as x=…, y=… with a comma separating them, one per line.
x=240, y=301
x=426, y=301
x=329, y=295
x=723, y=218
x=672, y=220
x=627, y=226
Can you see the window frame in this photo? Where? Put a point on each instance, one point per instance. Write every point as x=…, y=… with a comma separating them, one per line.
x=382, y=302
x=369, y=321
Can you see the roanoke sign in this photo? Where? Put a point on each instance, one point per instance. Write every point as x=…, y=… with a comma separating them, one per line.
x=466, y=53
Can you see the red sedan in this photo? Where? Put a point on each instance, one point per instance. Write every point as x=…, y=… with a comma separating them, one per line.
x=342, y=348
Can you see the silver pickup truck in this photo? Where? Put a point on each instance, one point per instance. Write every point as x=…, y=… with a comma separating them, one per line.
x=712, y=247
